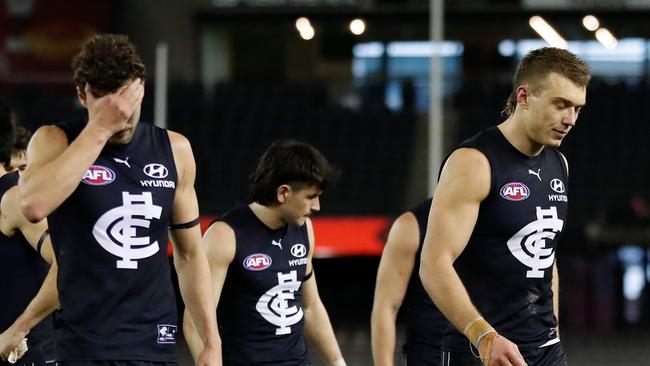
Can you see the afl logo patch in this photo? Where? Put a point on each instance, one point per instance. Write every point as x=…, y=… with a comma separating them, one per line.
x=98, y=175
x=155, y=170
x=257, y=262
x=515, y=191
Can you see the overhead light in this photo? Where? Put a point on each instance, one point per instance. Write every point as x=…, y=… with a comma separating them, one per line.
x=550, y=35
x=304, y=27
x=357, y=26
x=507, y=48
x=590, y=22
x=308, y=33
x=606, y=38
x=302, y=23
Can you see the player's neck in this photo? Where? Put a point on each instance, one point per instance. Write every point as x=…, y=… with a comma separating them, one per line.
x=3, y=171
x=267, y=215
x=515, y=132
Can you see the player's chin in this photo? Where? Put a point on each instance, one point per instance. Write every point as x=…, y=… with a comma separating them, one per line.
x=554, y=142
x=300, y=221
x=122, y=137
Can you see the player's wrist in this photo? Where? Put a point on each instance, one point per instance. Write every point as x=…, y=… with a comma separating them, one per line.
x=477, y=330
x=21, y=327
x=98, y=133
x=339, y=362
x=485, y=347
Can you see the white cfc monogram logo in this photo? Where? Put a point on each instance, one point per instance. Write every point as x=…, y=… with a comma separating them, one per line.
x=528, y=245
x=115, y=231
x=274, y=304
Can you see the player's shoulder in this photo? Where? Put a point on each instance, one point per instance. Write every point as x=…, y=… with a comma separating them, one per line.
x=466, y=174
x=406, y=221
x=182, y=150
x=219, y=242
x=220, y=229
x=178, y=140
x=468, y=160
x=50, y=134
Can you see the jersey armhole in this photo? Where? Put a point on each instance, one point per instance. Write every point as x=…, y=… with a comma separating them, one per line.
x=565, y=163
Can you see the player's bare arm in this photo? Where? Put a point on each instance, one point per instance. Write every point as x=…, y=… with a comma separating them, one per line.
x=189, y=257
x=464, y=183
x=318, y=328
x=395, y=269
x=555, y=286
x=219, y=244
x=56, y=167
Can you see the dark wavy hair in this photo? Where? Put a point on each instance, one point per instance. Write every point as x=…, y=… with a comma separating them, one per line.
x=537, y=64
x=290, y=162
x=22, y=138
x=7, y=133
x=106, y=62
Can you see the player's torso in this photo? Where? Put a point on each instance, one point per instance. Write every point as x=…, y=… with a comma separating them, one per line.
x=260, y=310
x=507, y=264
x=110, y=238
x=122, y=206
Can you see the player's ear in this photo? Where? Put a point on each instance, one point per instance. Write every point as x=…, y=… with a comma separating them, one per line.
x=81, y=95
x=522, y=94
x=282, y=193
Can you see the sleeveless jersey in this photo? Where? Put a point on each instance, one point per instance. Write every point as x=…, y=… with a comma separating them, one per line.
x=425, y=323
x=507, y=264
x=23, y=271
x=110, y=240
x=260, y=312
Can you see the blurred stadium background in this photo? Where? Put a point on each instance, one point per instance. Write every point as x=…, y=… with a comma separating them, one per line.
x=240, y=73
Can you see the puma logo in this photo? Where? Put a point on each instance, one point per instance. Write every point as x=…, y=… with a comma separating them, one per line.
x=535, y=174
x=277, y=243
x=125, y=162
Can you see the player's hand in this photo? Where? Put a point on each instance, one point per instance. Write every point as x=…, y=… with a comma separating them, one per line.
x=501, y=352
x=210, y=356
x=10, y=339
x=111, y=112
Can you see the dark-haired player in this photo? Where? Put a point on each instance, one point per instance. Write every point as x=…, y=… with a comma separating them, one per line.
x=261, y=260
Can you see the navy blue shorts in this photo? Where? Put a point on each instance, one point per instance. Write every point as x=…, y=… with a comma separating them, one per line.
x=115, y=363
x=414, y=358
x=547, y=356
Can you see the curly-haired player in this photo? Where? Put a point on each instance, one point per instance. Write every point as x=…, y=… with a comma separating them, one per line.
x=111, y=187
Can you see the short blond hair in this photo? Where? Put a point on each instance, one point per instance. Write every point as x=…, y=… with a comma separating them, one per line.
x=536, y=66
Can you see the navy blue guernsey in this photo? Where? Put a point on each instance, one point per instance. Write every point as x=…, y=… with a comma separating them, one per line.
x=23, y=271
x=260, y=309
x=110, y=240
x=425, y=323
x=507, y=264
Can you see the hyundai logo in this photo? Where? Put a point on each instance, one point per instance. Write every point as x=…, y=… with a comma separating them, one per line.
x=155, y=170
x=557, y=185
x=298, y=250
